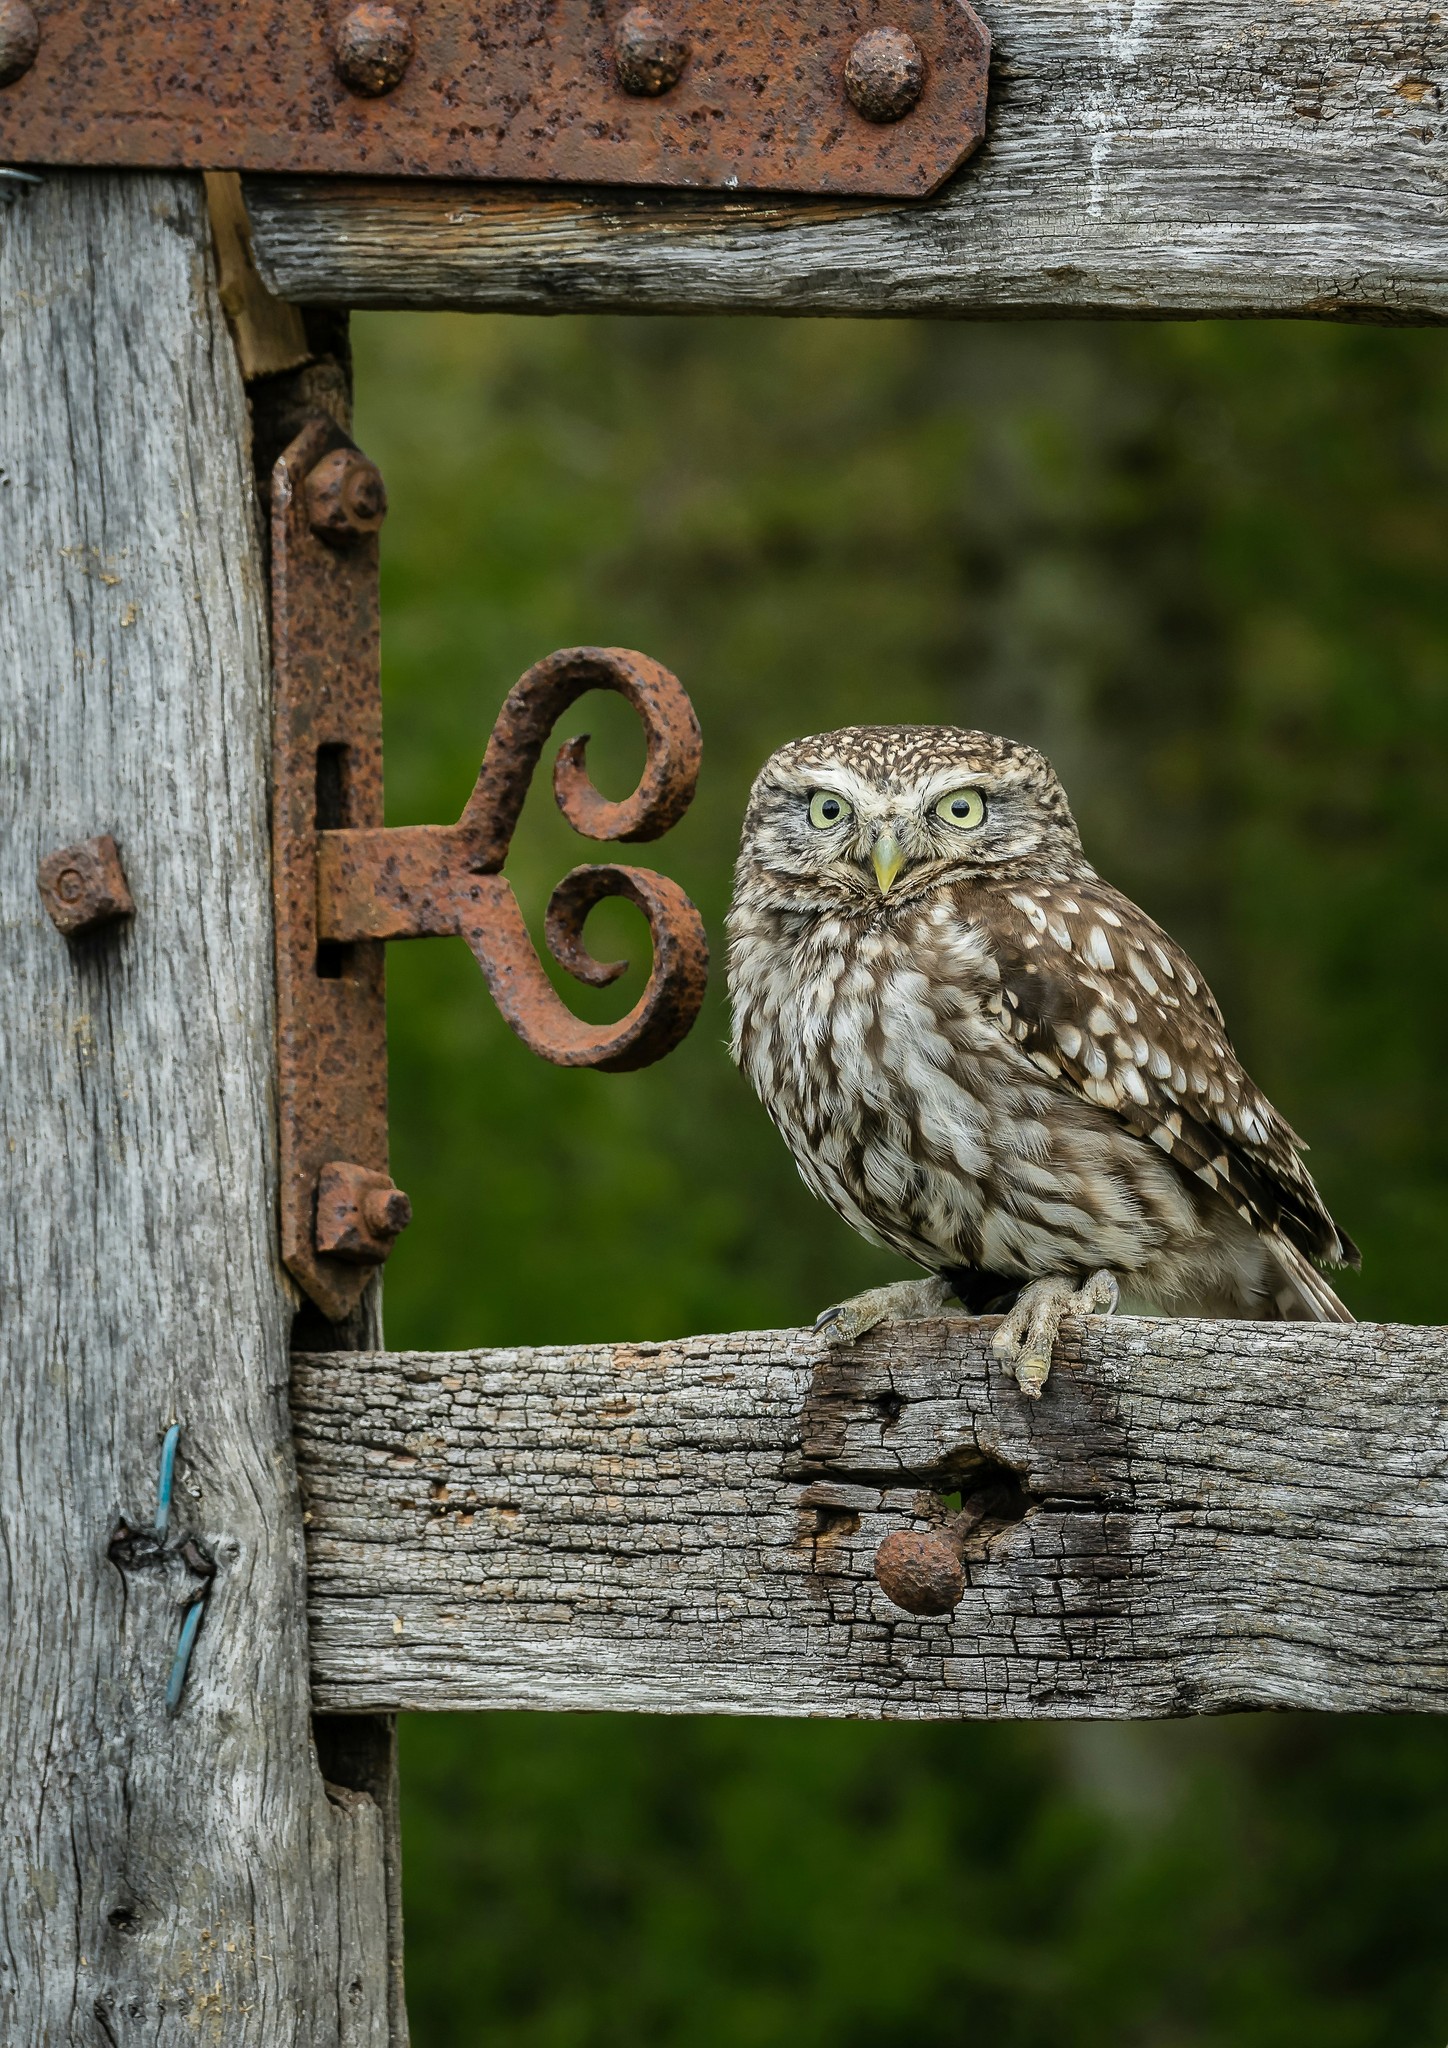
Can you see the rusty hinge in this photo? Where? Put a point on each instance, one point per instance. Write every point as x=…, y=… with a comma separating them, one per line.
x=883, y=97
x=345, y=884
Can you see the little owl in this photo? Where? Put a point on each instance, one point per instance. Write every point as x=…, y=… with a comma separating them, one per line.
x=990, y=1061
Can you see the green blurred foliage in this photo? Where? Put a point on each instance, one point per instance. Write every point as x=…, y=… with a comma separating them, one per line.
x=1204, y=568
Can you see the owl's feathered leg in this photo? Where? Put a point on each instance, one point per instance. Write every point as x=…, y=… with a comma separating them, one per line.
x=908, y=1301
x=1028, y=1334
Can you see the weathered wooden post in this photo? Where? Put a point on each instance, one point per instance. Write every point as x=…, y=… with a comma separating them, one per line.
x=172, y=1876
x=1199, y=1517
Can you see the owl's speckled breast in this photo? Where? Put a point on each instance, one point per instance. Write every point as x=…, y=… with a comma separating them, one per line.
x=872, y=1042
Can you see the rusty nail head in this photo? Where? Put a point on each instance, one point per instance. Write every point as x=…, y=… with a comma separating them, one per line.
x=359, y=1213
x=19, y=40
x=374, y=49
x=648, y=58
x=920, y=1573
x=346, y=497
x=885, y=74
x=84, y=886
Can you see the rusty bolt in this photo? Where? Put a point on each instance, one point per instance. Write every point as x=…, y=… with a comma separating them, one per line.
x=346, y=497
x=359, y=1213
x=648, y=58
x=374, y=49
x=885, y=74
x=922, y=1574
x=84, y=886
x=19, y=40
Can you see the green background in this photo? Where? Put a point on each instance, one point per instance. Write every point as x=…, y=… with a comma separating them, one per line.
x=1204, y=568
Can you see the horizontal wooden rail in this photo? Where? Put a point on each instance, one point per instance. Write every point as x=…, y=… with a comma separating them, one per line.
x=1142, y=156
x=1207, y=1516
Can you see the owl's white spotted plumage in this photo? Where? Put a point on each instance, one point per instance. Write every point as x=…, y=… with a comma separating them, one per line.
x=986, y=1058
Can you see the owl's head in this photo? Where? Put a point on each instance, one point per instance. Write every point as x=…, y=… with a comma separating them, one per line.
x=897, y=810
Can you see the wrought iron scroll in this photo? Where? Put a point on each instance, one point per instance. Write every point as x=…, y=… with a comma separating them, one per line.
x=345, y=884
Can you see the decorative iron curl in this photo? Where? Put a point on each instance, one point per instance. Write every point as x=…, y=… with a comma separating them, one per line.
x=423, y=881
x=664, y=1012
x=531, y=709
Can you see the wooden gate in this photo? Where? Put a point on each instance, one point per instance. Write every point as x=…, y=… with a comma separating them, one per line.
x=226, y=1563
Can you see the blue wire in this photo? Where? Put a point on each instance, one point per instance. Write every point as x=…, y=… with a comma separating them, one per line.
x=177, y=1680
x=168, y=1475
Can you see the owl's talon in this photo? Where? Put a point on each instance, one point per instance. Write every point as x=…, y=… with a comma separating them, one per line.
x=909, y=1301
x=1031, y=1376
x=1027, y=1336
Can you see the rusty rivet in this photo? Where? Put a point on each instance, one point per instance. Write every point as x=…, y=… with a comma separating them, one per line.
x=920, y=1573
x=346, y=497
x=19, y=40
x=373, y=50
x=648, y=58
x=84, y=886
x=885, y=74
x=359, y=1213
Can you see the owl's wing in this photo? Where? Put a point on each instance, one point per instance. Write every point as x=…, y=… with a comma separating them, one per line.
x=1098, y=997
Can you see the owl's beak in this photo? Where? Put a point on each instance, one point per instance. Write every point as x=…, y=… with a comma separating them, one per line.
x=888, y=858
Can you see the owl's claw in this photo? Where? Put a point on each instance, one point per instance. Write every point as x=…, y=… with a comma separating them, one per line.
x=909, y=1301
x=1028, y=1334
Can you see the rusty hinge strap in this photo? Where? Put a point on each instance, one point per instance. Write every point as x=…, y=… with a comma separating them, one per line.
x=877, y=97
x=345, y=884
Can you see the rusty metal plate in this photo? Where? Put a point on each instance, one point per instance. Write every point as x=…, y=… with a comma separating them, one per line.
x=878, y=97
x=331, y=1005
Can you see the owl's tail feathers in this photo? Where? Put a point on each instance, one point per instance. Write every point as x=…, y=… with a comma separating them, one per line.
x=1302, y=1295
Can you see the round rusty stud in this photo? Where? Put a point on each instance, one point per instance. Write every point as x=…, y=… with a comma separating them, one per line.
x=885, y=74
x=373, y=50
x=922, y=1574
x=346, y=497
x=19, y=40
x=648, y=58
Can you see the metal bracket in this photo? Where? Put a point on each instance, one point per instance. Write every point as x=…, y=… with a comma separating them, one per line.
x=345, y=884
x=874, y=97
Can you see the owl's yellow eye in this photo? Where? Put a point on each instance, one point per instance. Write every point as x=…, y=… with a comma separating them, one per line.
x=825, y=808
x=963, y=808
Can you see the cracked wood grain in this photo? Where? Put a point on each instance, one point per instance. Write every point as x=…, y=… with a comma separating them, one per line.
x=183, y=1880
x=1198, y=1517
x=1142, y=157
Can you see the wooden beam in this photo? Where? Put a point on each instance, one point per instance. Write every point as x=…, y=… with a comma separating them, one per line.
x=1209, y=1516
x=1143, y=157
x=179, y=1877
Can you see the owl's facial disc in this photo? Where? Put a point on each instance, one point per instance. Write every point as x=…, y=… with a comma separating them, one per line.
x=852, y=817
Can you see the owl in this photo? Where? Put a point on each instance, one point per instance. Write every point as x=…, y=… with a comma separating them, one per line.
x=988, y=1060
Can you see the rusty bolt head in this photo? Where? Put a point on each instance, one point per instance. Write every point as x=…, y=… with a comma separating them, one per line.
x=373, y=50
x=920, y=1573
x=359, y=1213
x=19, y=40
x=648, y=58
x=84, y=886
x=885, y=74
x=386, y=1211
x=346, y=497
